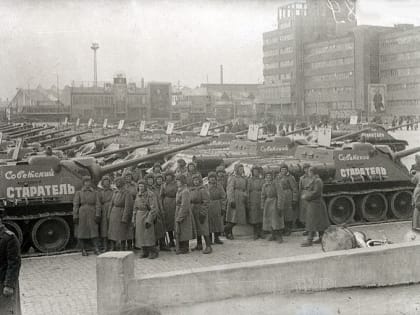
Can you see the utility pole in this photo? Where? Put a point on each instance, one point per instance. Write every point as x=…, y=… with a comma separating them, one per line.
x=95, y=47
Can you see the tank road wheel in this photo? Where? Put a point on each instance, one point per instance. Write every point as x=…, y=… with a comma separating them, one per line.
x=15, y=228
x=50, y=234
x=341, y=209
x=400, y=204
x=374, y=207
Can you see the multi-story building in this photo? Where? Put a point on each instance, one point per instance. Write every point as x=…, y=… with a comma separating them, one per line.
x=399, y=69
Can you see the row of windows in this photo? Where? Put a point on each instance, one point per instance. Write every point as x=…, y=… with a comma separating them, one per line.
x=404, y=102
x=329, y=48
x=330, y=63
x=331, y=76
x=401, y=56
x=282, y=77
x=286, y=63
x=330, y=105
x=285, y=24
x=276, y=52
x=410, y=39
x=333, y=90
x=403, y=86
x=105, y=100
x=400, y=72
x=276, y=92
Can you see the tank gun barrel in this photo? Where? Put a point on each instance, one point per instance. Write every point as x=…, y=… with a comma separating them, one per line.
x=16, y=129
x=28, y=132
x=351, y=134
x=400, y=126
x=43, y=142
x=130, y=148
x=78, y=144
x=404, y=153
x=297, y=131
x=33, y=138
x=220, y=126
x=186, y=126
x=242, y=132
x=97, y=172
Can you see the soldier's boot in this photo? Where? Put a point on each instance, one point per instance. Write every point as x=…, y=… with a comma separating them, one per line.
x=319, y=239
x=153, y=253
x=279, y=237
x=162, y=245
x=272, y=237
x=228, y=230
x=208, y=248
x=129, y=245
x=145, y=252
x=96, y=250
x=183, y=247
x=105, y=245
x=309, y=240
x=260, y=231
x=217, y=239
x=122, y=245
x=83, y=246
x=171, y=239
x=199, y=243
x=257, y=233
x=287, y=228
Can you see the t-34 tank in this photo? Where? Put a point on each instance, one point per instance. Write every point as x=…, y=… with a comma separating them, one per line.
x=372, y=133
x=362, y=182
x=37, y=195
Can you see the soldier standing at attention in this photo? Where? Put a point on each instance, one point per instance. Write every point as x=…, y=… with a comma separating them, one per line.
x=105, y=196
x=316, y=219
x=304, y=185
x=144, y=215
x=184, y=221
x=87, y=214
x=200, y=210
x=131, y=187
x=217, y=202
x=181, y=167
x=9, y=269
x=273, y=219
x=168, y=196
x=237, y=200
x=120, y=214
x=255, y=212
x=288, y=197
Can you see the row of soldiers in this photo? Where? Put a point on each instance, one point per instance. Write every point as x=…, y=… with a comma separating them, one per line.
x=162, y=207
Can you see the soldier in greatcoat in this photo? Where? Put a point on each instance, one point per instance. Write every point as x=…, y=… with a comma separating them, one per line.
x=273, y=216
x=10, y=262
x=87, y=214
x=288, y=197
x=316, y=219
x=120, y=215
x=304, y=184
x=200, y=210
x=255, y=212
x=131, y=187
x=168, y=196
x=144, y=216
x=217, y=202
x=160, y=228
x=192, y=171
x=184, y=221
x=237, y=200
x=105, y=196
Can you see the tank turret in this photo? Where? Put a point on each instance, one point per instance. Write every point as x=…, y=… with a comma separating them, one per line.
x=126, y=149
x=44, y=135
x=65, y=137
x=78, y=144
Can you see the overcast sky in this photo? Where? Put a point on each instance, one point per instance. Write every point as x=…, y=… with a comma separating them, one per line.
x=158, y=40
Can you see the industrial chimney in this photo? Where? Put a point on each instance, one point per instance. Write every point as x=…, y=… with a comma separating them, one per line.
x=221, y=74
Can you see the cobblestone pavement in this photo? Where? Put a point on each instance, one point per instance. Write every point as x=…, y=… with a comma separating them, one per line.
x=66, y=284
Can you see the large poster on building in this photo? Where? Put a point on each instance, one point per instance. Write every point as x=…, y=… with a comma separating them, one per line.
x=377, y=98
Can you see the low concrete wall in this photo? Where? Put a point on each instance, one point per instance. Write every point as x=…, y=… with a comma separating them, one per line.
x=380, y=266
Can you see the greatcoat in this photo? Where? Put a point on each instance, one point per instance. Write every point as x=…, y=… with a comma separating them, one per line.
x=120, y=216
x=184, y=221
x=237, y=193
x=86, y=207
x=304, y=184
x=105, y=197
x=273, y=219
x=145, y=211
x=217, y=202
x=168, y=196
x=200, y=207
x=316, y=218
x=288, y=194
x=255, y=211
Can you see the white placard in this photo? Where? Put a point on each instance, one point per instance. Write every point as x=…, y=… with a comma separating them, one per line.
x=205, y=129
x=253, y=132
x=353, y=120
x=105, y=124
x=170, y=128
x=17, y=149
x=324, y=136
x=90, y=122
x=66, y=121
x=77, y=122
x=142, y=125
x=121, y=124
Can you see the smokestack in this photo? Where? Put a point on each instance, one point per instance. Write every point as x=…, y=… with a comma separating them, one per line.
x=221, y=74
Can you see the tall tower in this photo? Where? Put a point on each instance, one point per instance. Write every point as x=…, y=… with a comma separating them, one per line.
x=95, y=47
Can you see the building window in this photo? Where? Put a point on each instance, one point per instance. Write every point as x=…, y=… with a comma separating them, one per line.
x=331, y=76
x=330, y=63
x=400, y=72
x=329, y=47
